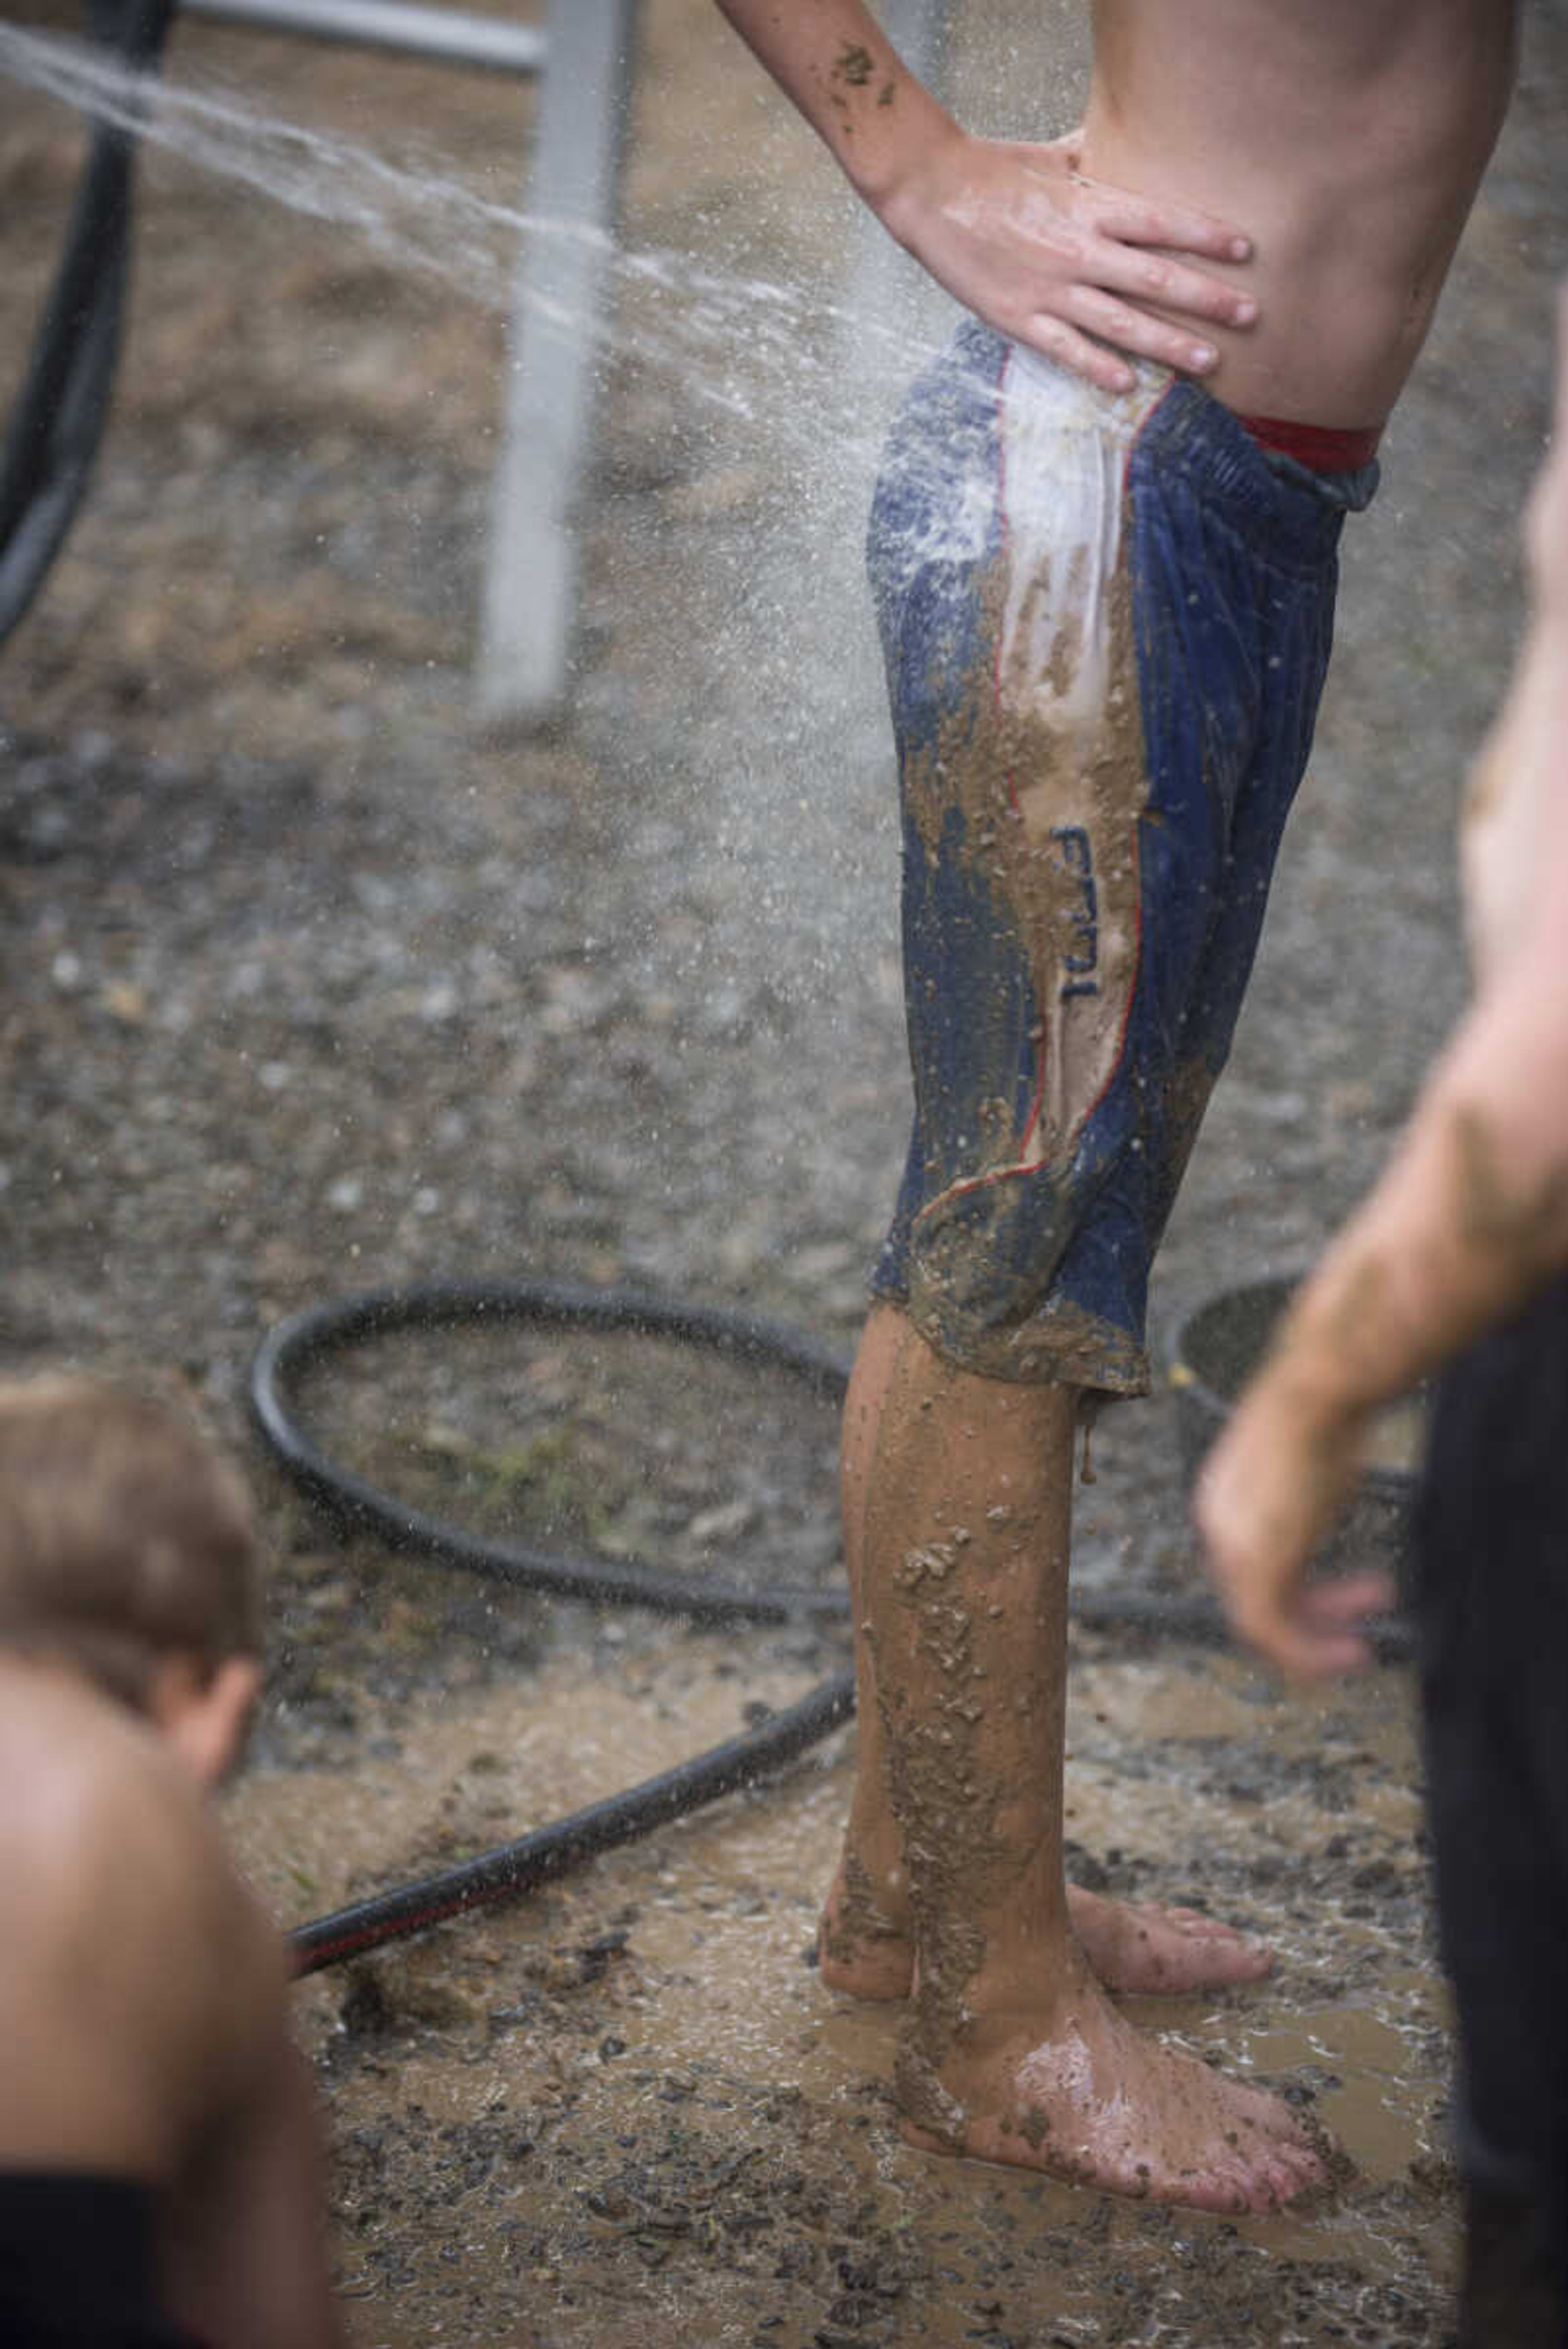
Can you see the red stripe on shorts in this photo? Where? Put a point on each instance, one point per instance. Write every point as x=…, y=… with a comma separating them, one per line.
x=1326, y=447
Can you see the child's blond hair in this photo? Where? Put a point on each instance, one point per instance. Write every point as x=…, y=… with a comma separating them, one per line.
x=124, y=1535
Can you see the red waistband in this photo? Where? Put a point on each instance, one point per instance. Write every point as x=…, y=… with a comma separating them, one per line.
x=1326, y=447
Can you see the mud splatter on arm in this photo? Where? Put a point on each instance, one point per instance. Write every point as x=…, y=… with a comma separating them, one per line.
x=1469, y=1219
x=835, y=64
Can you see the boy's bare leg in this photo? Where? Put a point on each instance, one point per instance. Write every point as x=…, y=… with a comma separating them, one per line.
x=1014, y=2052
x=866, y=1945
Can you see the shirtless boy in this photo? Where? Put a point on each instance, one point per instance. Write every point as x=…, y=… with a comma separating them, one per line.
x=160, y=2172
x=1460, y=1258
x=1104, y=552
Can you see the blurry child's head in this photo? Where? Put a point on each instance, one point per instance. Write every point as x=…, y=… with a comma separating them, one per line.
x=129, y=1552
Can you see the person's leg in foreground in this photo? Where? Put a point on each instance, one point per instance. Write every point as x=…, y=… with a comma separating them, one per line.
x=1490, y=1538
x=1093, y=798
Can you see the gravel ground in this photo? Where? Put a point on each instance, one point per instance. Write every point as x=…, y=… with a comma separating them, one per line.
x=313, y=984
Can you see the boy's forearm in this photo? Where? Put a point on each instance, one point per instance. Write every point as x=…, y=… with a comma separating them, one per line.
x=833, y=62
x=1471, y=1214
x=1470, y=1218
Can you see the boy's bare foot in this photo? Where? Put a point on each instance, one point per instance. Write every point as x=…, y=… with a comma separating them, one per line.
x=1136, y=1948
x=1097, y=2104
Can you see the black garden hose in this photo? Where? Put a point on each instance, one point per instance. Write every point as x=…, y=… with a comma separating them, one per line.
x=549, y=1852
x=310, y=1338
x=58, y=420
x=300, y=1344
x=305, y=1339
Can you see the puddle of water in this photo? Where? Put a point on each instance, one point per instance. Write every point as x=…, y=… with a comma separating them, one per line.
x=1380, y=2105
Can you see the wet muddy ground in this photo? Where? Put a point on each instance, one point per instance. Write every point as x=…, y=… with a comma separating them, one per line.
x=312, y=984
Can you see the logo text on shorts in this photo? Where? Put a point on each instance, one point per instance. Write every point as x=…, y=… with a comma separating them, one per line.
x=1081, y=960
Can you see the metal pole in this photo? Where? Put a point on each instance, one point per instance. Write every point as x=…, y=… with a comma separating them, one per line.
x=447, y=35
x=532, y=579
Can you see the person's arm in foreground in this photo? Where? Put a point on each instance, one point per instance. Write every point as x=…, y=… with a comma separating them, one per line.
x=1471, y=1214
x=247, y=2254
x=1014, y=232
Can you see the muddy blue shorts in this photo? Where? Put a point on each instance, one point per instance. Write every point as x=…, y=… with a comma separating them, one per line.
x=1106, y=620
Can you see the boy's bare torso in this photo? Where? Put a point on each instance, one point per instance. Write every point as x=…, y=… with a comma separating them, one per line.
x=132, y=1948
x=1346, y=137
x=143, y=2005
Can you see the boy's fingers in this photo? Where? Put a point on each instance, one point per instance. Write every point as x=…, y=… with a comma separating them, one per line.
x=1348, y=1599
x=1138, y=221
x=1273, y=1640
x=1135, y=330
x=1300, y=1654
x=1329, y=1656
x=1314, y=1631
x=1151, y=277
x=1127, y=328
x=1057, y=340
